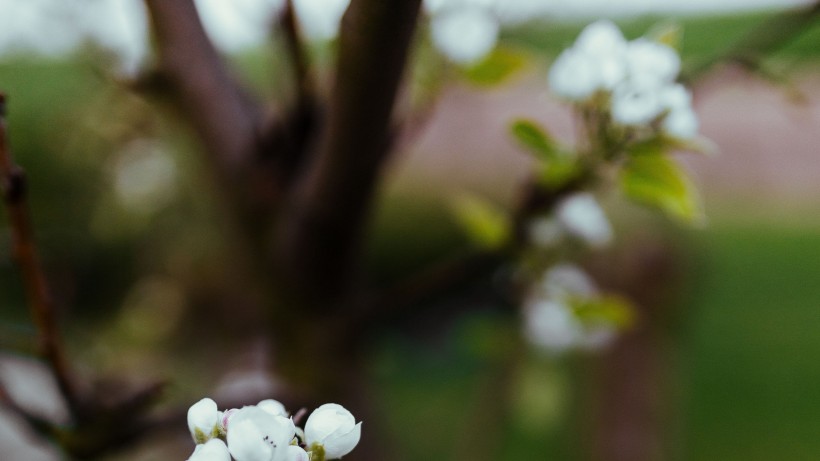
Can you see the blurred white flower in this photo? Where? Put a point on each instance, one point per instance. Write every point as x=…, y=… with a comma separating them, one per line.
x=595, y=62
x=257, y=435
x=635, y=105
x=564, y=281
x=601, y=37
x=464, y=35
x=681, y=123
x=203, y=418
x=651, y=62
x=550, y=325
x=581, y=216
x=213, y=450
x=334, y=428
x=573, y=75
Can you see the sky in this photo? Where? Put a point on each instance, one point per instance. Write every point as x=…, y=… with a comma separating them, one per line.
x=52, y=27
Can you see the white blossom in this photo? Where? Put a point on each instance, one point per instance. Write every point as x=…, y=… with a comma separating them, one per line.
x=581, y=215
x=551, y=325
x=652, y=61
x=334, y=428
x=257, y=435
x=465, y=35
x=203, y=418
x=595, y=62
x=636, y=104
x=680, y=121
x=601, y=38
x=573, y=75
x=212, y=450
x=681, y=124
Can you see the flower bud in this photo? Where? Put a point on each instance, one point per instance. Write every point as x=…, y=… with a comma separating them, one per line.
x=203, y=418
x=273, y=407
x=212, y=450
x=334, y=428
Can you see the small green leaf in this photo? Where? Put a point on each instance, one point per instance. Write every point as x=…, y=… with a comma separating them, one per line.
x=485, y=224
x=496, y=67
x=608, y=309
x=659, y=181
x=558, y=172
x=669, y=33
x=531, y=136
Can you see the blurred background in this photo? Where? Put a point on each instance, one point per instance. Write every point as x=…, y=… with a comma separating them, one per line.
x=131, y=233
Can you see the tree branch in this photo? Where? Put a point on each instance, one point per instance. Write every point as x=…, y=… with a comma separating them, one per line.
x=226, y=121
x=320, y=239
x=50, y=344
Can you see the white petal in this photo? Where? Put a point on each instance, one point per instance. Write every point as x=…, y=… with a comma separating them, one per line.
x=273, y=407
x=293, y=453
x=256, y=435
x=581, y=215
x=551, y=325
x=675, y=97
x=341, y=443
x=601, y=38
x=652, y=60
x=636, y=104
x=213, y=450
x=681, y=123
x=574, y=75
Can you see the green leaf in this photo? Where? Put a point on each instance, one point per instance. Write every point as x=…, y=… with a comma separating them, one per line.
x=608, y=309
x=657, y=180
x=485, y=224
x=531, y=136
x=559, y=171
x=496, y=67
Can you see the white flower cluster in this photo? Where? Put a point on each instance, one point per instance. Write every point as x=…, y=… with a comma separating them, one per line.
x=264, y=432
x=638, y=78
x=549, y=319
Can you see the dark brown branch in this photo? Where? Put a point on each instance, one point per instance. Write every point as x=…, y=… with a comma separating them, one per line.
x=761, y=41
x=305, y=82
x=320, y=240
x=38, y=295
x=290, y=139
x=222, y=116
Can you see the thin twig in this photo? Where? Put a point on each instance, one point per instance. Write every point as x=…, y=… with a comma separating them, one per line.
x=38, y=294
